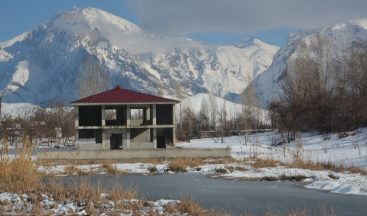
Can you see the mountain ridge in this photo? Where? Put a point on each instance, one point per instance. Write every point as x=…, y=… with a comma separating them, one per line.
x=44, y=64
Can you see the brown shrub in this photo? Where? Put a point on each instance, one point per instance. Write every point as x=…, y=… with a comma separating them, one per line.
x=326, y=166
x=19, y=173
x=119, y=193
x=111, y=170
x=180, y=164
x=261, y=163
x=194, y=209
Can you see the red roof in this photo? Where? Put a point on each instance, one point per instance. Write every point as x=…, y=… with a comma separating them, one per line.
x=119, y=95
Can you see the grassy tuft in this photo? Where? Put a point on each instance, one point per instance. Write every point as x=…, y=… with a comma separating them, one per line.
x=19, y=173
x=181, y=164
x=153, y=169
x=261, y=163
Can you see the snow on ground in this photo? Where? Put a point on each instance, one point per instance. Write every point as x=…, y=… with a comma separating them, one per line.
x=346, y=183
x=15, y=204
x=350, y=150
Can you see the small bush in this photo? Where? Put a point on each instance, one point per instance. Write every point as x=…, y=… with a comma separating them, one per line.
x=153, y=169
x=332, y=176
x=230, y=168
x=221, y=170
x=180, y=164
x=292, y=178
x=111, y=170
x=191, y=208
x=342, y=135
x=71, y=170
x=269, y=178
x=177, y=166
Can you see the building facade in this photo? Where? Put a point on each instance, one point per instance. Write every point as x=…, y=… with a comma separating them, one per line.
x=124, y=119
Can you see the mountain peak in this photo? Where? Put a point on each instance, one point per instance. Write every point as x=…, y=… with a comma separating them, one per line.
x=251, y=42
x=92, y=18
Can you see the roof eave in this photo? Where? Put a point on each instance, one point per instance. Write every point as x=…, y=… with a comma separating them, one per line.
x=118, y=103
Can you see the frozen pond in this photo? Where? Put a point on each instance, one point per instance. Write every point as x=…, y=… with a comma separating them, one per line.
x=235, y=197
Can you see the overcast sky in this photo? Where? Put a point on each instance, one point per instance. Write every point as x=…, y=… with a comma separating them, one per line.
x=238, y=16
x=213, y=21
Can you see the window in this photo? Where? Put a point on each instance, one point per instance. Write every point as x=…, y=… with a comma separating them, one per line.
x=137, y=114
x=110, y=114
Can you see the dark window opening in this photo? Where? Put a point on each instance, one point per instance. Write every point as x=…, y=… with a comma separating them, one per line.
x=91, y=134
x=90, y=116
x=164, y=114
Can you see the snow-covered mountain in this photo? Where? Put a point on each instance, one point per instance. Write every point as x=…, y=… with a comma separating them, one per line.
x=44, y=64
x=340, y=38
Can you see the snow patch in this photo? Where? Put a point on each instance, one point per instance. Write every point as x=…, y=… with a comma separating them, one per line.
x=19, y=78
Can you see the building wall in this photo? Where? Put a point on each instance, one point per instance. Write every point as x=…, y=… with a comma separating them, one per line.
x=140, y=135
x=133, y=138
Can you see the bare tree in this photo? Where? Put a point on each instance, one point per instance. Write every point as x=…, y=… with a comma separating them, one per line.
x=203, y=116
x=222, y=120
x=213, y=111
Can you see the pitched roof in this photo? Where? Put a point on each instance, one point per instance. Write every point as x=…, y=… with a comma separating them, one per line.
x=119, y=95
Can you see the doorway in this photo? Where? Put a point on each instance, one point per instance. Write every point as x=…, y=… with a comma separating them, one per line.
x=116, y=141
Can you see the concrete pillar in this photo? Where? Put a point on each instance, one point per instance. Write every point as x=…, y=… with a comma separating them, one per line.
x=127, y=138
x=103, y=116
x=77, y=117
x=154, y=114
x=77, y=139
x=76, y=127
x=128, y=115
x=147, y=111
x=174, y=126
x=174, y=136
x=105, y=141
x=155, y=138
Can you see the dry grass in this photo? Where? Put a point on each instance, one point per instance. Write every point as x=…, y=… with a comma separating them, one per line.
x=72, y=170
x=87, y=162
x=181, y=164
x=261, y=163
x=119, y=193
x=319, y=211
x=193, y=209
x=326, y=166
x=110, y=169
x=18, y=173
x=224, y=160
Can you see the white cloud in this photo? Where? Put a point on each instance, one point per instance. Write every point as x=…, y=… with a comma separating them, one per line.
x=182, y=17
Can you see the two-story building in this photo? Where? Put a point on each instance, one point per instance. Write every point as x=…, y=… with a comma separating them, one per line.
x=124, y=119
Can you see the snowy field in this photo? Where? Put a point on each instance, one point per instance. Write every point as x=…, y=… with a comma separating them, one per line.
x=350, y=150
x=347, y=151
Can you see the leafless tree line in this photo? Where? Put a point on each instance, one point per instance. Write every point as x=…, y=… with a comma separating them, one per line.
x=51, y=125
x=321, y=92
x=216, y=120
